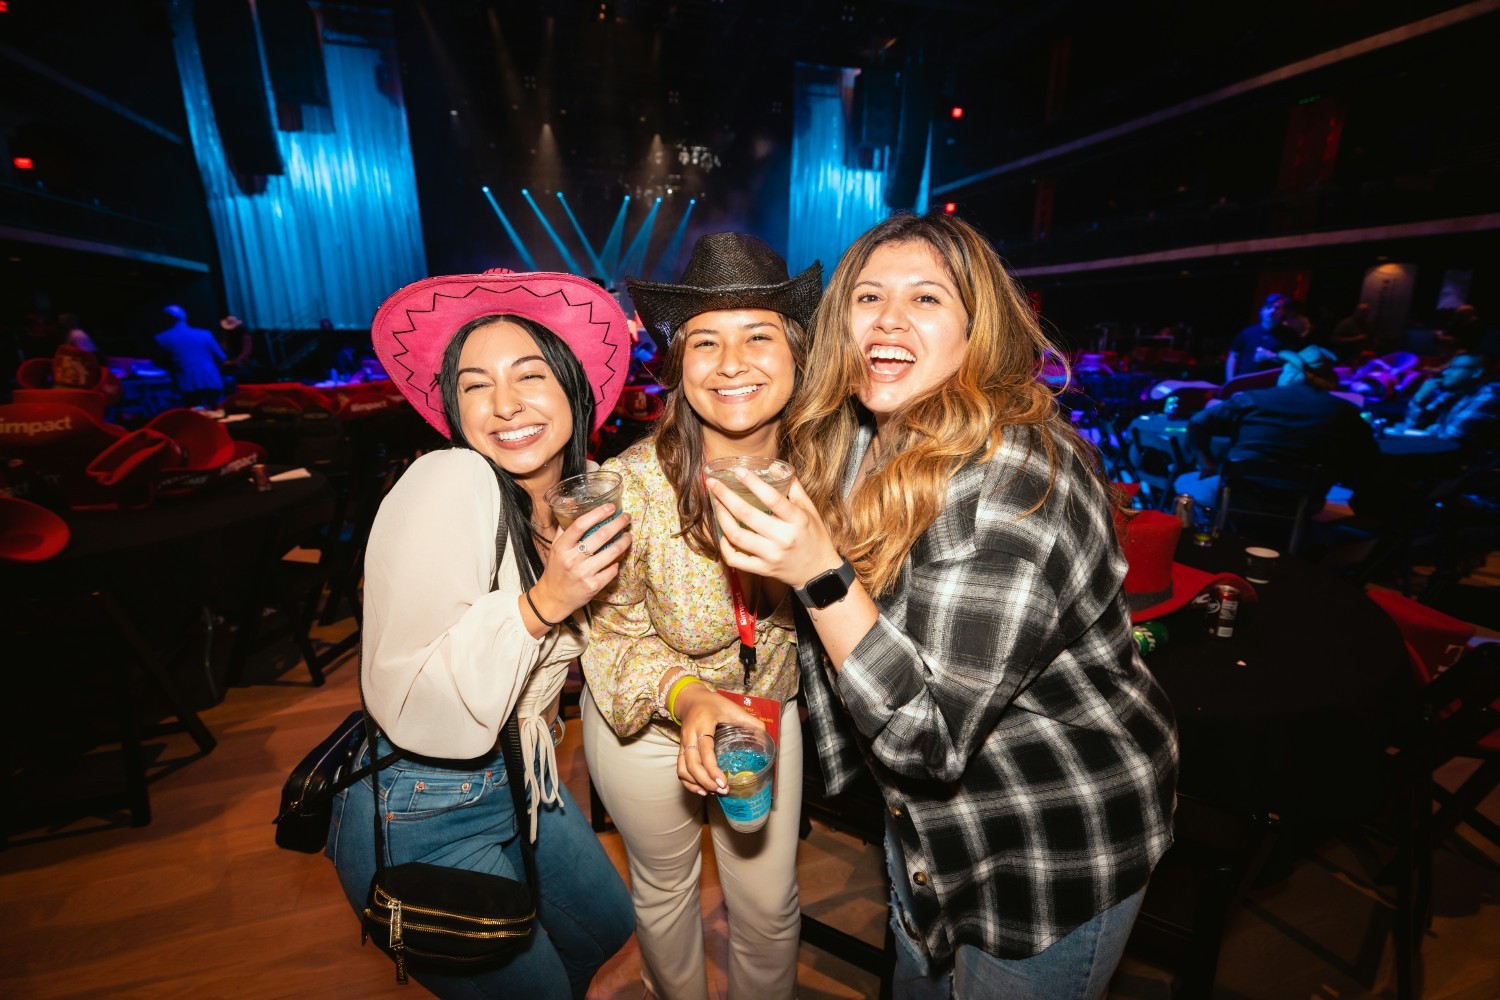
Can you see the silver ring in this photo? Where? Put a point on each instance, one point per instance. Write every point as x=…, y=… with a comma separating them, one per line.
x=583, y=548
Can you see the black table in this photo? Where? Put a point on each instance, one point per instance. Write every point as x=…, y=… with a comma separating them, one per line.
x=1292, y=714
x=162, y=564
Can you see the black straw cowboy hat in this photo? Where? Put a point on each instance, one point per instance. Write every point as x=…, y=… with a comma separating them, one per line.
x=727, y=271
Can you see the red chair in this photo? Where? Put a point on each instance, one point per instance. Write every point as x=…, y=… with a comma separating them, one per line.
x=1254, y=380
x=1458, y=715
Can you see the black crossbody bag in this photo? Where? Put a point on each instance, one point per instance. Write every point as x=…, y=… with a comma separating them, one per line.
x=452, y=919
x=307, y=795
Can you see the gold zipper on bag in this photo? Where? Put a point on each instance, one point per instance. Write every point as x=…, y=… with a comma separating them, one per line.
x=386, y=900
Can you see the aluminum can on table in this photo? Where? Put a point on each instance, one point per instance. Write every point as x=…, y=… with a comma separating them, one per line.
x=1182, y=509
x=1148, y=636
x=1223, y=609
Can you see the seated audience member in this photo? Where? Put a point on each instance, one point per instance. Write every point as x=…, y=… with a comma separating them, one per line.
x=1461, y=404
x=1297, y=421
x=1462, y=333
x=1256, y=347
x=74, y=334
x=193, y=356
x=1351, y=337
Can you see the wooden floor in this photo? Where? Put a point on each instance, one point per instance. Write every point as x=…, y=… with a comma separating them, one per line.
x=201, y=904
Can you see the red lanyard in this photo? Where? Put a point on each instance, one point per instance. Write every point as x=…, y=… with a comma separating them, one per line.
x=744, y=620
x=744, y=617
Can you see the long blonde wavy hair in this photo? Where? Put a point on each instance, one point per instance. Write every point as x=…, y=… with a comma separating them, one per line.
x=962, y=420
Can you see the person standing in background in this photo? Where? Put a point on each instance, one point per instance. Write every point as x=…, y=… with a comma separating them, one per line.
x=236, y=342
x=193, y=356
x=1256, y=346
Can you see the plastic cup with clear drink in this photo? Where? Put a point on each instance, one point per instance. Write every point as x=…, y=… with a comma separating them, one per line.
x=772, y=471
x=577, y=495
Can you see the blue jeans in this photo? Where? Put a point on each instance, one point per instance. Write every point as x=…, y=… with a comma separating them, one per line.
x=1076, y=967
x=465, y=819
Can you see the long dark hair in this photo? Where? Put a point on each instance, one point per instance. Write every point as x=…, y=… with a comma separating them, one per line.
x=515, y=523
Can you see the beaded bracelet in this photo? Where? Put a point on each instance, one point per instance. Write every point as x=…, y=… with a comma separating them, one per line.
x=538, y=614
x=677, y=689
x=663, y=686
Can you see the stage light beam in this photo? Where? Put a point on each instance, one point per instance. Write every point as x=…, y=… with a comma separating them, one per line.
x=611, y=252
x=668, y=258
x=568, y=261
x=635, y=258
x=515, y=237
x=588, y=247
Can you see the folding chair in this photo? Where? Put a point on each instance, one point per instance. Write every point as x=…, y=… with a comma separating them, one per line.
x=1270, y=501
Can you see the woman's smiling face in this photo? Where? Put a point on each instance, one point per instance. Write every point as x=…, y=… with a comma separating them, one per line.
x=908, y=323
x=511, y=407
x=737, y=372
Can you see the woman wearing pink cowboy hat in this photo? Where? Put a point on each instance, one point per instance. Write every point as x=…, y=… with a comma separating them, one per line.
x=472, y=601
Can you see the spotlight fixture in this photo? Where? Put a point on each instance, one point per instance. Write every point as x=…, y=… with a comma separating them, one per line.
x=22, y=163
x=956, y=113
x=950, y=207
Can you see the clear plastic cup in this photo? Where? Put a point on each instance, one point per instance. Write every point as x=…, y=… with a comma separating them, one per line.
x=772, y=471
x=577, y=495
x=747, y=757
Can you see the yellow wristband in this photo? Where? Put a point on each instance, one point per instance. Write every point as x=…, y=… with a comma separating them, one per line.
x=676, y=690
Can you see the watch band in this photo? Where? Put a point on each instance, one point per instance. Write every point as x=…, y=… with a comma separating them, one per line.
x=826, y=588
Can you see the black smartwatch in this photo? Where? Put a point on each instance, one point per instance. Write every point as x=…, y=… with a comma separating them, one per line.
x=826, y=588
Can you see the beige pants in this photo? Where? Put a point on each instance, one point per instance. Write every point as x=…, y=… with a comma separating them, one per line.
x=662, y=823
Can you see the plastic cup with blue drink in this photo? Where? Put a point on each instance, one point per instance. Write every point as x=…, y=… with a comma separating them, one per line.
x=747, y=758
x=577, y=495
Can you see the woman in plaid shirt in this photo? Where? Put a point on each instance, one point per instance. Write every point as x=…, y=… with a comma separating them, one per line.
x=966, y=630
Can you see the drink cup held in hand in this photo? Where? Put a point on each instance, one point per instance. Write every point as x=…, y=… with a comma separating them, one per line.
x=746, y=756
x=577, y=495
x=1259, y=563
x=772, y=471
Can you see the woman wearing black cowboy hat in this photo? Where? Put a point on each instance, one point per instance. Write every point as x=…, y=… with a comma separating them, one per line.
x=677, y=624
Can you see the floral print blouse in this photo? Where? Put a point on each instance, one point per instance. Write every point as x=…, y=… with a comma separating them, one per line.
x=671, y=607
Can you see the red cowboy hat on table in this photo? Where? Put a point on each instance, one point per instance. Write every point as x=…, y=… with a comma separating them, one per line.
x=412, y=329
x=368, y=399
x=53, y=433
x=69, y=368
x=178, y=452
x=29, y=533
x=1155, y=584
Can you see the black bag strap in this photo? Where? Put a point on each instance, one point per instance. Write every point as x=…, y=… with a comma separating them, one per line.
x=510, y=748
x=515, y=772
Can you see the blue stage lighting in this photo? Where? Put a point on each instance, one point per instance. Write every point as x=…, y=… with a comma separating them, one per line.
x=666, y=264
x=515, y=237
x=588, y=247
x=568, y=262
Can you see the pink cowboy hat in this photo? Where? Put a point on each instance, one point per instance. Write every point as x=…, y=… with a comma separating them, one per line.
x=412, y=328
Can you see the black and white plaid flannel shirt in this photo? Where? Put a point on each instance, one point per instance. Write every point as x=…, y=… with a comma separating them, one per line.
x=1027, y=755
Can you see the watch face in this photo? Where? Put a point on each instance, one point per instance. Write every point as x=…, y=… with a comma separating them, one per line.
x=826, y=588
